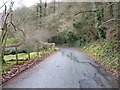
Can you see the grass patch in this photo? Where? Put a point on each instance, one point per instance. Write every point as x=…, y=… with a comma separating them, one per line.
x=9, y=64
x=20, y=56
x=10, y=41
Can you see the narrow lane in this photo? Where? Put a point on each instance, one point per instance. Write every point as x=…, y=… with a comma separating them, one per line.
x=68, y=68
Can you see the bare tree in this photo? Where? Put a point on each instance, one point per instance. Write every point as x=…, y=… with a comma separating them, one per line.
x=7, y=22
x=5, y=26
x=45, y=11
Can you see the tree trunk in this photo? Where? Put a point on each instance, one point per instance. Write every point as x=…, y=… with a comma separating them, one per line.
x=4, y=39
x=37, y=49
x=2, y=57
x=0, y=52
x=54, y=9
x=111, y=9
x=28, y=55
x=16, y=55
x=45, y=12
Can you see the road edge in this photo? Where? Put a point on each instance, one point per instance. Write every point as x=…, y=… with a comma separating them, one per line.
x=30, y=67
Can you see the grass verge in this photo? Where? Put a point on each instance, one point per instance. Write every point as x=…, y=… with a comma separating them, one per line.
x=23, y=56
x=105, y=52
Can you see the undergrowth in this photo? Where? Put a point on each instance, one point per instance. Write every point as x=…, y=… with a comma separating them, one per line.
x=105, y=52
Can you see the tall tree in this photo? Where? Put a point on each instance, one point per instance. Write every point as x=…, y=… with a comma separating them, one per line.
x=6, y=23
x=54, y=6
x=45, y=11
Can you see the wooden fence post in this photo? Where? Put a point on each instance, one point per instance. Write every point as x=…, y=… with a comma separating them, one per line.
x=16, y=55
x=29, y=55
x=37, y=49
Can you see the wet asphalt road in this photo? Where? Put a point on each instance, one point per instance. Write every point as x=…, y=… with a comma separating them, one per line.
x=68, y=68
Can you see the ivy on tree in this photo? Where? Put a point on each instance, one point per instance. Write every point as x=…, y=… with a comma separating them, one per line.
x=98, y=19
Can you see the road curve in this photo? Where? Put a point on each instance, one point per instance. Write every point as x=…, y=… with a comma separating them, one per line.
x=68, y=68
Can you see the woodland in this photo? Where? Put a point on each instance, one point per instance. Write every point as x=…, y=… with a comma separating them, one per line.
x=29, y=33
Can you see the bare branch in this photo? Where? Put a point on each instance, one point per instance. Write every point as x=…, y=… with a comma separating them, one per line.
x=17, y=28
x=92, y=10
x=85, y=12
x=4, y=4
x=113, y=19
x=13, y=26
x=15, y=45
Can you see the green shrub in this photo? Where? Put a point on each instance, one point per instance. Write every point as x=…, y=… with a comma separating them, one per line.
x=76, y=24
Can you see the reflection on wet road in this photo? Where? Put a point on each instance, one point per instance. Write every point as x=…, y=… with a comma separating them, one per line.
x=68, y=68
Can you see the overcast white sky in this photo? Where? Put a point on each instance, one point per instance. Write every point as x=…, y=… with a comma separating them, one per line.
x=25, y=2
x=19, y=3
